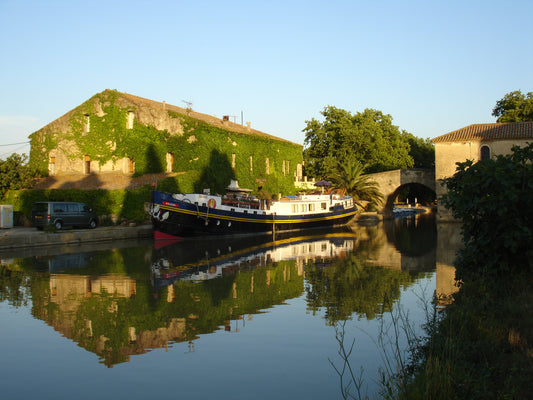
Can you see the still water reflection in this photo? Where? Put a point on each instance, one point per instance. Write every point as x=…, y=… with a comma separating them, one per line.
x=164, y=317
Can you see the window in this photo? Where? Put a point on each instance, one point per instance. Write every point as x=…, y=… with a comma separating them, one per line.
x=87, y=127
x=73, y=208
x=251, y=164
x=170, y=162
x=233, y=156
x=311, y=207
x=52, y=165
x=283, y=167
x=87, y=164
x=59, y=208
x=303, y=207
x=128, y=166
x=485, y=153
x=295, y=208
x=323, y=206
x=267, y=166
x=129, y=124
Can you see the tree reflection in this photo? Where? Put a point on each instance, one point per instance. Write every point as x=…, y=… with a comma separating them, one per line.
x=347, y=286
x=127, y=301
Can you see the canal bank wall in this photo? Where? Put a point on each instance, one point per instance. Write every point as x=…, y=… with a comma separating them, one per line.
x=21, y=237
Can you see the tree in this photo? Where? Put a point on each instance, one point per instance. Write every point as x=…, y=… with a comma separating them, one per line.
x=350, y=177
x=15, y=173
x=497, y=223
x=514, y=107
x=421, y=150
x=369, y=136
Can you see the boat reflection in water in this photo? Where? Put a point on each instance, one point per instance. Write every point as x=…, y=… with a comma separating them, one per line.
x=201, y=260
x=184, y=303
x=127, y=301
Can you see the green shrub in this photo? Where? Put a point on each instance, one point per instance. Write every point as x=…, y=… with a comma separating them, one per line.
x=493, y=200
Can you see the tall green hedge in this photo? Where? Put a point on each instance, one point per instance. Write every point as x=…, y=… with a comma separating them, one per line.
x=125, y=204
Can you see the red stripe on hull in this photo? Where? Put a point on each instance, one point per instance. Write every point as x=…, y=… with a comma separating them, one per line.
x=165, y=236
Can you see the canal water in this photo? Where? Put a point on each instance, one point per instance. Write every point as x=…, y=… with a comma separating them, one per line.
x=227, y=318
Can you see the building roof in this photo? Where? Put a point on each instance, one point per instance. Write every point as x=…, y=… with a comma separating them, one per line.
x=211, y=120
x=483, y=132
x=139, y=102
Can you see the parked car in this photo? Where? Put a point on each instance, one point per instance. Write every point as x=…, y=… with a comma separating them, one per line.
x=62, y=214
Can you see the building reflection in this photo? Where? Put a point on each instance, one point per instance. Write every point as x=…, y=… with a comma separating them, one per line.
x=128, y=301
x=448, y=245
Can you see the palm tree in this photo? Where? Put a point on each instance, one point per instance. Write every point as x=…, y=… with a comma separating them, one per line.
x=350, y=177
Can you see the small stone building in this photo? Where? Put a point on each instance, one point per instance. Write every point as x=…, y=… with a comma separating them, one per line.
x=475, y=142
x=119, y=133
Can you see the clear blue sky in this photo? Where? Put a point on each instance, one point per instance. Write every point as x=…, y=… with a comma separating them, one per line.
x=434, y=66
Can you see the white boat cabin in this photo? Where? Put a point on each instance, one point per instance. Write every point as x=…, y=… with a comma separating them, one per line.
x=289, y=205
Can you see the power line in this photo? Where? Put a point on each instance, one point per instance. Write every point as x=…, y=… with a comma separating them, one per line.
x=7, y=152
x=14, y=144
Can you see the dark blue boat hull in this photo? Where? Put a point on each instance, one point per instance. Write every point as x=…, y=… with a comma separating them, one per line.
x=179, y=218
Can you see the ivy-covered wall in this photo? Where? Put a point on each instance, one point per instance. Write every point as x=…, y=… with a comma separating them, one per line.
x=209, y=155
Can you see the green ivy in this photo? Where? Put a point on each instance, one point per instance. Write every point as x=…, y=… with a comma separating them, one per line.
x=203, y=150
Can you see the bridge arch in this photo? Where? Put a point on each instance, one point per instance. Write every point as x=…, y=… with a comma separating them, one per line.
x=392, y=183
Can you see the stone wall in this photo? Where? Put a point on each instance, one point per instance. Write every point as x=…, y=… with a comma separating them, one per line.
x=448, y=154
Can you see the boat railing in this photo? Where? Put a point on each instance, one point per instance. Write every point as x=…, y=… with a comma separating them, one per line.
x=241, y=204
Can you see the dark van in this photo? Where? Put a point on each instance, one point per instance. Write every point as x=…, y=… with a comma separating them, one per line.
x=62, y=214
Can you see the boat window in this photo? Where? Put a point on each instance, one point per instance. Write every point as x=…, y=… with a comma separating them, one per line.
x=255, y=212
x=203, y=204
x=232, y=209
x=246, y=211
x=303, y=207
x=312, y=207
x=324, y=206
x=295, y=208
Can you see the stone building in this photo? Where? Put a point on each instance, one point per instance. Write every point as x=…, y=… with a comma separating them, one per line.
x=118, y=133
x=475, y=142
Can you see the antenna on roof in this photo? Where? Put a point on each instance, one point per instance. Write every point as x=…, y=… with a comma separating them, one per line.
x=189, y=106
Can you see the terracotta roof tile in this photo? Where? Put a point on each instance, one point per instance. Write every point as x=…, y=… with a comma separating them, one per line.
x=494, y=131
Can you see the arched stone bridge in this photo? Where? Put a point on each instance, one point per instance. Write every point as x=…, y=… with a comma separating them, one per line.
x=392, y=182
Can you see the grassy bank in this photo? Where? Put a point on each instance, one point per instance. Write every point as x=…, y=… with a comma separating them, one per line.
x=483, y=346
